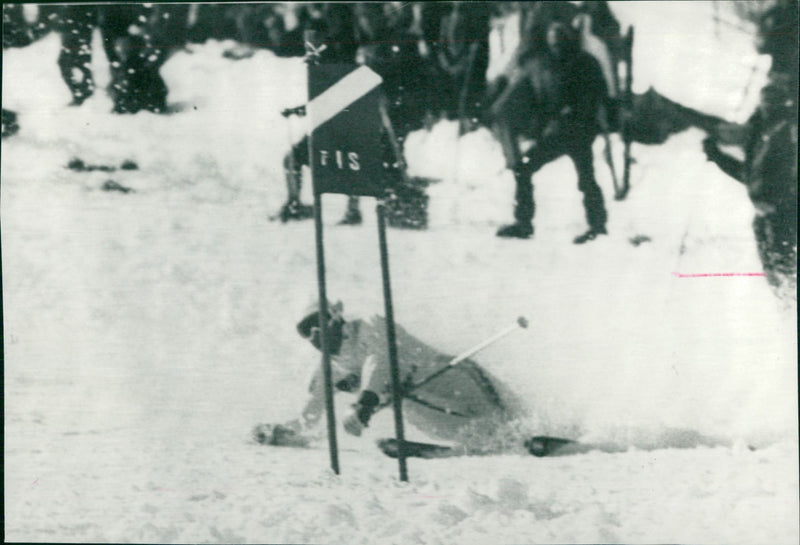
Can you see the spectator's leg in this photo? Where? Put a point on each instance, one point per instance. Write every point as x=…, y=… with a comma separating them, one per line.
x=524, y=205
x=75, y=57
x=593, y=202
x=293, y=162
x=353, y=214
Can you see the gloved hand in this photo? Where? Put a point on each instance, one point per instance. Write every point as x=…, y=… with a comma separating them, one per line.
x=353, y=425
x=362, y=411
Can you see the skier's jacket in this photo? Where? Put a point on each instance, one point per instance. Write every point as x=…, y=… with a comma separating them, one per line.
x=465, y=395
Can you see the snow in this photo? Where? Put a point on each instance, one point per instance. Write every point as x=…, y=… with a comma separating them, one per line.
x=146, y=333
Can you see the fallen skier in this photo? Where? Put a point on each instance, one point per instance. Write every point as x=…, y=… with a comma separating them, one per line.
x=450, y=399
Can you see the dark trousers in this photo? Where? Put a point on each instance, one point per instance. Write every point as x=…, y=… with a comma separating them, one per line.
x=75, y=57
x=578, y=149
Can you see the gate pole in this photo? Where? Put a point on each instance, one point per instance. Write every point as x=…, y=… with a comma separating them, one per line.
x=397, y=398
x=323, y=324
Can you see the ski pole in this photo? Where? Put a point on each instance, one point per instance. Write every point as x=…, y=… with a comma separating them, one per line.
x=398, y=152
x=521, y=323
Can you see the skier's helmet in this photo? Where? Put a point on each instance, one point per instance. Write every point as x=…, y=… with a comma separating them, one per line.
x=309, y=328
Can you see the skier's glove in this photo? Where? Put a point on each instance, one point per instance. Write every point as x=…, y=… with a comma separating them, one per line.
x=353, y=425
x=357, y=420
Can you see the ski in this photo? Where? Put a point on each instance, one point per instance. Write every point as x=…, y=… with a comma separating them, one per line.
x=413, y=449
x=539, y=446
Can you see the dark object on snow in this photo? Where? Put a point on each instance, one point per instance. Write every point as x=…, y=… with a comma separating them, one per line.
x=541, y=445
x=78, y=165
x=10, y=125
x=111, y=185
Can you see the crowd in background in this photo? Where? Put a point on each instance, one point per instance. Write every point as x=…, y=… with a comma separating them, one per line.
x=433, y=57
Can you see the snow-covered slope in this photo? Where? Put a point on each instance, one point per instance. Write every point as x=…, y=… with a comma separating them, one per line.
x=145, y=333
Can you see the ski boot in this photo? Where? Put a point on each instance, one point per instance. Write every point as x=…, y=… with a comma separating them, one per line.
x=591, y=234
x=516, y=230
x=352, y=217
x=295, y=210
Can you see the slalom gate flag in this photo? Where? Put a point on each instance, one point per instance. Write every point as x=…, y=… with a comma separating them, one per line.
x=346, y=150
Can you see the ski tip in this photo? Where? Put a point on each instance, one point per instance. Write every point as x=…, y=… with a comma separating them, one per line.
x=542, y=445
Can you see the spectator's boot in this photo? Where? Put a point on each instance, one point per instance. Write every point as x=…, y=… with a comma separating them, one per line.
x=591, y=234
x=353, y=214
x=524, y=208
x=519, y=229
x=295, y=210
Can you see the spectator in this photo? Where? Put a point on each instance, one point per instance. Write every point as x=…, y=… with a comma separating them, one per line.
x=553, y=97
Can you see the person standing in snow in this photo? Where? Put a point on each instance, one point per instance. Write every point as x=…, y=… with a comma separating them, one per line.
x=463, y=59
x=335, y=32
x=553, y=96
x=138, y=39
x=462, y=403
x=385, y=45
